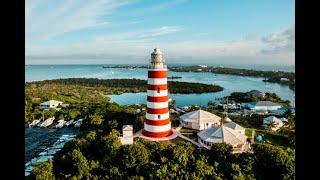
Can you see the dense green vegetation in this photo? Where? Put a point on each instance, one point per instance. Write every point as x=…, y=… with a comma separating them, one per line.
x=284, y=137
x=99, y=155
x=247, y=97
x=96, y=153
x=83, y=94
x=119, y=86
x=270, y=76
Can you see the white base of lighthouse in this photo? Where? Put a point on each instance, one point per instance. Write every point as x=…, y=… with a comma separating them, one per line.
x=166, y=138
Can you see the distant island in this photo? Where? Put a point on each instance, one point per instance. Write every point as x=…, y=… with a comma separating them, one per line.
x=280, y=77
x=115, y=86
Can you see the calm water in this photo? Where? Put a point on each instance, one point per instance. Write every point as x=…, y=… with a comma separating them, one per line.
x=231, y=83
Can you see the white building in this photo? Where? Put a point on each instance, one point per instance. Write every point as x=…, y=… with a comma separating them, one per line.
x=277, y=122
x=223, y=134
x=127, y=135
x=50, y=104
x=264, y=105
x=200, y=120
x=284, y=79
x=235, y=126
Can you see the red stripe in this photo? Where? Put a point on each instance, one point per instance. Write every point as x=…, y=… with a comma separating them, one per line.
x=157, y=99
x=155, y=87
x=157, y=74
x=157, y=111
x=157, y=122
x=157, y=134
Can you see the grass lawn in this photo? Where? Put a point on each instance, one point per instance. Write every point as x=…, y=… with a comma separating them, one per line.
x=184, y=130
x=191, y=133
x=248, y=132
x=274, y=138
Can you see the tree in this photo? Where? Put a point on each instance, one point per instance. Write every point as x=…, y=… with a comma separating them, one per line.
x=183, y=153
x=279, y=163
x=95, y=119
x=81, y=168
x=236, y=173
x=204, y=171
x=220, y=153
x=43, y=171
x=134, y=159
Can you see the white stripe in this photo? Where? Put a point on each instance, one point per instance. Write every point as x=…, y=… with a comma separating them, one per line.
x=155, y=116
x=157, y=69
x=155, y=81
x=162, y=128
x=157, y=105
x=155, y=93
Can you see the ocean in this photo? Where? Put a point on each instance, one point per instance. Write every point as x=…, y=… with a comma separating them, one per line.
x=231, y=83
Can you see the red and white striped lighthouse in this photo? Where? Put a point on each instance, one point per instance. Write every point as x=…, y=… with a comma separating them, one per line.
x=157, y=123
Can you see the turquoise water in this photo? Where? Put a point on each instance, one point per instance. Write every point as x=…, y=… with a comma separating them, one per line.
x=231, y=83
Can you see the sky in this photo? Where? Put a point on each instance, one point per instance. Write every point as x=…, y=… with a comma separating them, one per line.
x=186, y=31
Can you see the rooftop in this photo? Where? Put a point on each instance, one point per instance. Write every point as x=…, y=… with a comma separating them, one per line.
x=233, y=126
x=51, y=102
x=200, y=116
x=222, y=134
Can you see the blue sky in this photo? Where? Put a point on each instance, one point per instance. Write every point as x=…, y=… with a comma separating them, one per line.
x=187, y=31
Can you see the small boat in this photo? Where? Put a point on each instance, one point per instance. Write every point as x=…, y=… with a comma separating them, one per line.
x=61, y=123
x=47, y=122
x=34, y=123
x=174, y=77
x=69, y=122
x=78, y=123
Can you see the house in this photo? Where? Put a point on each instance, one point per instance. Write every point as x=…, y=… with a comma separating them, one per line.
x=203, y=66
x=277, y=122
x=200, y=119
x=127, y=135
x=50, y=104
x=235, y=126
x=278, y=112
x=264, y=105
x=256, y=93
x=284, y=79
x=223, y=134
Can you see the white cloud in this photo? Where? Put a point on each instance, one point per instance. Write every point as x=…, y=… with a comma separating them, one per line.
x=45, y=19
x=283, y=42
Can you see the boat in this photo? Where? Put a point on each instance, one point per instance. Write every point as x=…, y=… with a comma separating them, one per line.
x=34, y=123
x=61, y=123
x=68, y=123
x=174, y=77
x=78, y=123
x=47, y=122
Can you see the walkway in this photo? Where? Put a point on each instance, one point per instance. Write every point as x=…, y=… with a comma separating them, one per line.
x=188, y=139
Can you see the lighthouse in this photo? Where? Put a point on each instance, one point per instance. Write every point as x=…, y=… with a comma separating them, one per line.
x=157, y=122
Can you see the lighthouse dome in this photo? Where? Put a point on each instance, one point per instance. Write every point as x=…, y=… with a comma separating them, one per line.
x=157, y=51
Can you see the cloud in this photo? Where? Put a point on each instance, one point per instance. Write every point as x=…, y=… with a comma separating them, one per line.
x=45, y=19
x=283, y=42
x=138, y=36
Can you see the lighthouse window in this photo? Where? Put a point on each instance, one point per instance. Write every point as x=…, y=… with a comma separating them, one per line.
x=158, y=90
x=159, y=116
